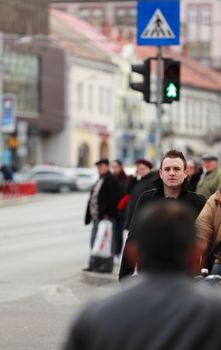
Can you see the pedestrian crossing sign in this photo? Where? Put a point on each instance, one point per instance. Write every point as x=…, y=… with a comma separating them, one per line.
x=158, y=22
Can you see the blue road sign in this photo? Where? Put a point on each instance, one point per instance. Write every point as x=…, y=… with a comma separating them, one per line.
x=158, y=22
x=8, y=113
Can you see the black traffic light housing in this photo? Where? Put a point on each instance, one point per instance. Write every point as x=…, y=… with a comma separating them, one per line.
x=171, y=81
x=144, y=87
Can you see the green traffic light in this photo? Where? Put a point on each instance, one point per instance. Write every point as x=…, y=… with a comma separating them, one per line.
x=171, y=91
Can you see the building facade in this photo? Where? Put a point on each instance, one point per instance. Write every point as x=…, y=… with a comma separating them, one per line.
x=90, y=93
x=200, y=24
x=115, y=19
x=32, y=71
x=201, y=30
x=38, y=86
x=24, y=17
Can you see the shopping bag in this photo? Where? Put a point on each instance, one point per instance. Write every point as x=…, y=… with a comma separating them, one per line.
x=103, y=241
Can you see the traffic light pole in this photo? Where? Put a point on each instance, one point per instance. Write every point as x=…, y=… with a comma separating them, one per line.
x=158, y=106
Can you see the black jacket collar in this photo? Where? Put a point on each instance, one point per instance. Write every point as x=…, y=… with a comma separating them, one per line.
x=158, y=183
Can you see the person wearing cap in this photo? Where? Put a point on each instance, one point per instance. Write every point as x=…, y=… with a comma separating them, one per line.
x=210, y=180
x=102, y=204
x=144, y=180
x=171, y=186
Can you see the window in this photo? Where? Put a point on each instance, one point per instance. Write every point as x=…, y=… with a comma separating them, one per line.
x=120, y=16
x=21, y=77
x=205, y=16
x=198, y=23
x=132, y=16
x=90, y=98
x=108, y=101
x=84, y=14
x=80, y=96
x=101, y=99
x=97, y=16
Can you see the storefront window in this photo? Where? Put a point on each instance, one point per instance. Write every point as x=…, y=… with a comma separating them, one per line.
x=21, y=77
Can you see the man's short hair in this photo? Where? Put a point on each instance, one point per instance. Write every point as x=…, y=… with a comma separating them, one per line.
x=166, y=235
x=174, y=154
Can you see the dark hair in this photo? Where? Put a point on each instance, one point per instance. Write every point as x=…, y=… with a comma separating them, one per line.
x=174, y=154
x=145, y=162
x=118, y=161
x=164, y=244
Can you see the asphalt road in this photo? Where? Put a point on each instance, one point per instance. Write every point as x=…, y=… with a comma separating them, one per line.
x=44, y=246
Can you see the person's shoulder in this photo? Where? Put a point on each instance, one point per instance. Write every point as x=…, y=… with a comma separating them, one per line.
x=208, y=296
x=107, y=305
x=197, y=197
x=147, y=195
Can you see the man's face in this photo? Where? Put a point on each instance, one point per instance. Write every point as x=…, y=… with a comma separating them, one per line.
x=210, y=165
x=116, y=168
x=102, y=169
x=191, y=167
x=172, y=172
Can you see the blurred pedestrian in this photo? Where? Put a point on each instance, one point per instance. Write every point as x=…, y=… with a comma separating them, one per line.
x=7, y=173
x=164, y=308
x=142, y=181
x=102, y=204
x=210, y=180
x=193, y=173
x=209, y=231
x=122, y=178
x=172, y=185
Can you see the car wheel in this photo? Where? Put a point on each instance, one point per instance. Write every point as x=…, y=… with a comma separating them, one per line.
x=64, y=189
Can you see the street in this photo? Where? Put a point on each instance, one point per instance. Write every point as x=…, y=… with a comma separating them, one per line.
x=44, y=246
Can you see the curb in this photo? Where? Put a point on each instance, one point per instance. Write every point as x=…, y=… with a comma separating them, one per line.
x=99, y=279
x=93, y=279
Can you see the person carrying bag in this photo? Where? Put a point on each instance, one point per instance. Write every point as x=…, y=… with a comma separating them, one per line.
x=102, y=212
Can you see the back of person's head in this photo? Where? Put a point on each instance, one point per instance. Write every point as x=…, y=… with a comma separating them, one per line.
x=166, y=235
x=174, y=154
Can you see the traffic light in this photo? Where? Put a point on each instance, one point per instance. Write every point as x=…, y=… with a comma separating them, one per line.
x=171, y=81
x=144, y=87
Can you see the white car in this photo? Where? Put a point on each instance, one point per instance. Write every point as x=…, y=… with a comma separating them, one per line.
x=85, y=178
x=52, y=178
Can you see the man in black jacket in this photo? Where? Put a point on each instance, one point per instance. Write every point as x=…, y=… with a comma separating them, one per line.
x=172, y=185
x=164, y=308
x=102, y=205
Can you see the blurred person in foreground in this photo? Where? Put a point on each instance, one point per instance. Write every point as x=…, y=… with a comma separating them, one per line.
x=210, y=180
x=164, y=307
x=171, y=186
x=209, y=231
x=193, y=173
x=122, y=179
x=102, y=204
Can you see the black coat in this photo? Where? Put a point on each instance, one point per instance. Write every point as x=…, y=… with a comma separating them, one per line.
x=195, y=201
x=136, y=188
x=108, y=198
x=159, y=312
x=195, y=179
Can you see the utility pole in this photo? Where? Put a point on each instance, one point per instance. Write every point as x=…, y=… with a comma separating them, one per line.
x=1, y=97
x=158, y=106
